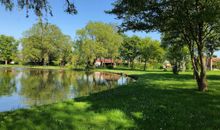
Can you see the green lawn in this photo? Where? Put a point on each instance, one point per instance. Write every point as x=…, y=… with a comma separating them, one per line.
x=157, y=100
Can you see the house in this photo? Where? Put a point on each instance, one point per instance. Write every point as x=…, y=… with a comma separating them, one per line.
x=212, y=63
x=107, y=62
x=166, y=64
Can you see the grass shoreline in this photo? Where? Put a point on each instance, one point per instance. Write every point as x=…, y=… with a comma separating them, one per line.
x=157, y=100
x=36, y=67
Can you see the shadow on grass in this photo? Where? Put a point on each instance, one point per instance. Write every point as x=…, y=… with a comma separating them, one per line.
x=155, y=101
x=159, y=106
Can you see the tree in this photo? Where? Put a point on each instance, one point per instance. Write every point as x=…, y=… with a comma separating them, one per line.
x=38, y=6
x=178, y=56
x=194, y=21
x=65, y=50
x=150, y=50
x=97, y=40
x=45, y=44
x=129, y=49
x=8, y=48
x=177, y=52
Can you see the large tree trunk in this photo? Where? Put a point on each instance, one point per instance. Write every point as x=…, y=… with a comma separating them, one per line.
x=200, y=77
x=199, y=70
x=202, y=83
x=6, y=62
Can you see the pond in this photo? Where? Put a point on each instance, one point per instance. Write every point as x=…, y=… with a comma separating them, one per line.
x=23, y=88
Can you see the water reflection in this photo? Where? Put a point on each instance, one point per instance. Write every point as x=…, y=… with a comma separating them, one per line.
x=7, y=82
x=43, y=86
x=29, y=87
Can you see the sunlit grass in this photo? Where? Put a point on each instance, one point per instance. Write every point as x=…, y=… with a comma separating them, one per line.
x=157, y=100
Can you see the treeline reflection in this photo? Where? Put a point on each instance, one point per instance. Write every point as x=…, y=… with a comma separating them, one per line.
x=37, y=87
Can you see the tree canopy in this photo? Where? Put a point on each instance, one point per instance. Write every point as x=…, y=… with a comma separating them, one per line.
x=97, y=40
x=46, y=44
x=193, y=21
x=150, y=50
x=38, y=6
x=130, y=49
x=8, y=48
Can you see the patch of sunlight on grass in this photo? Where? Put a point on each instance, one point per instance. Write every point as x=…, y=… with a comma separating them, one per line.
x=111, y=119
x=101, y=119
x=118, y=116
x=81, y=105
x=138, y=115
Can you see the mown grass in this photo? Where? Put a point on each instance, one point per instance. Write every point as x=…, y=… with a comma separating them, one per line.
x=157, y=100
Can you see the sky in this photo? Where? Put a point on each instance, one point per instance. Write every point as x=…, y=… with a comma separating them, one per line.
x=14, y=22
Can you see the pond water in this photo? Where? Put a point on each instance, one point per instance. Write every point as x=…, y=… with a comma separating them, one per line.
x=22, y=88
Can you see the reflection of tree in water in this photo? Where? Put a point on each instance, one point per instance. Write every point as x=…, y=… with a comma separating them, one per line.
x=95, y=82
x=44, y=86
x=48, y=86
x=7, y=82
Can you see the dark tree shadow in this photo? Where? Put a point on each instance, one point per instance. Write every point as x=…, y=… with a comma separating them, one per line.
x=155, y=106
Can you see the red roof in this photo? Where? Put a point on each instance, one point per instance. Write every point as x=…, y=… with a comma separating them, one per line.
x=215, y=59
x=108, y=61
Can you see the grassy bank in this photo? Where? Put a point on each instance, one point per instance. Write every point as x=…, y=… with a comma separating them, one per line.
x=36, y=67
x=157, y=100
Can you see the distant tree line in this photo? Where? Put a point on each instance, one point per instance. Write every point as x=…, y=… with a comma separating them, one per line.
x=45, y=44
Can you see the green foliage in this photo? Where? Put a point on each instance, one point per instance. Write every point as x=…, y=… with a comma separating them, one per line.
x=38, y=6
x=217, y=65
x=176, y=51
x=129, y=49
x=212, y=44
x=136, y=50
x=193, y=21
x=150, y=50
x=45, y=44
x=8, y=48
x=97, y=40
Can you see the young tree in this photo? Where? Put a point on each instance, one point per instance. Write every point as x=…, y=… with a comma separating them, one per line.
x=177, y=52
x=150, y=50
x=130, y=50
x=178, y=57
x=98, y=40
x=193, y=20
x=8, y=48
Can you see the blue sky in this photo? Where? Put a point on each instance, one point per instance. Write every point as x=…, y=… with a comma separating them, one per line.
x=14, y=23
